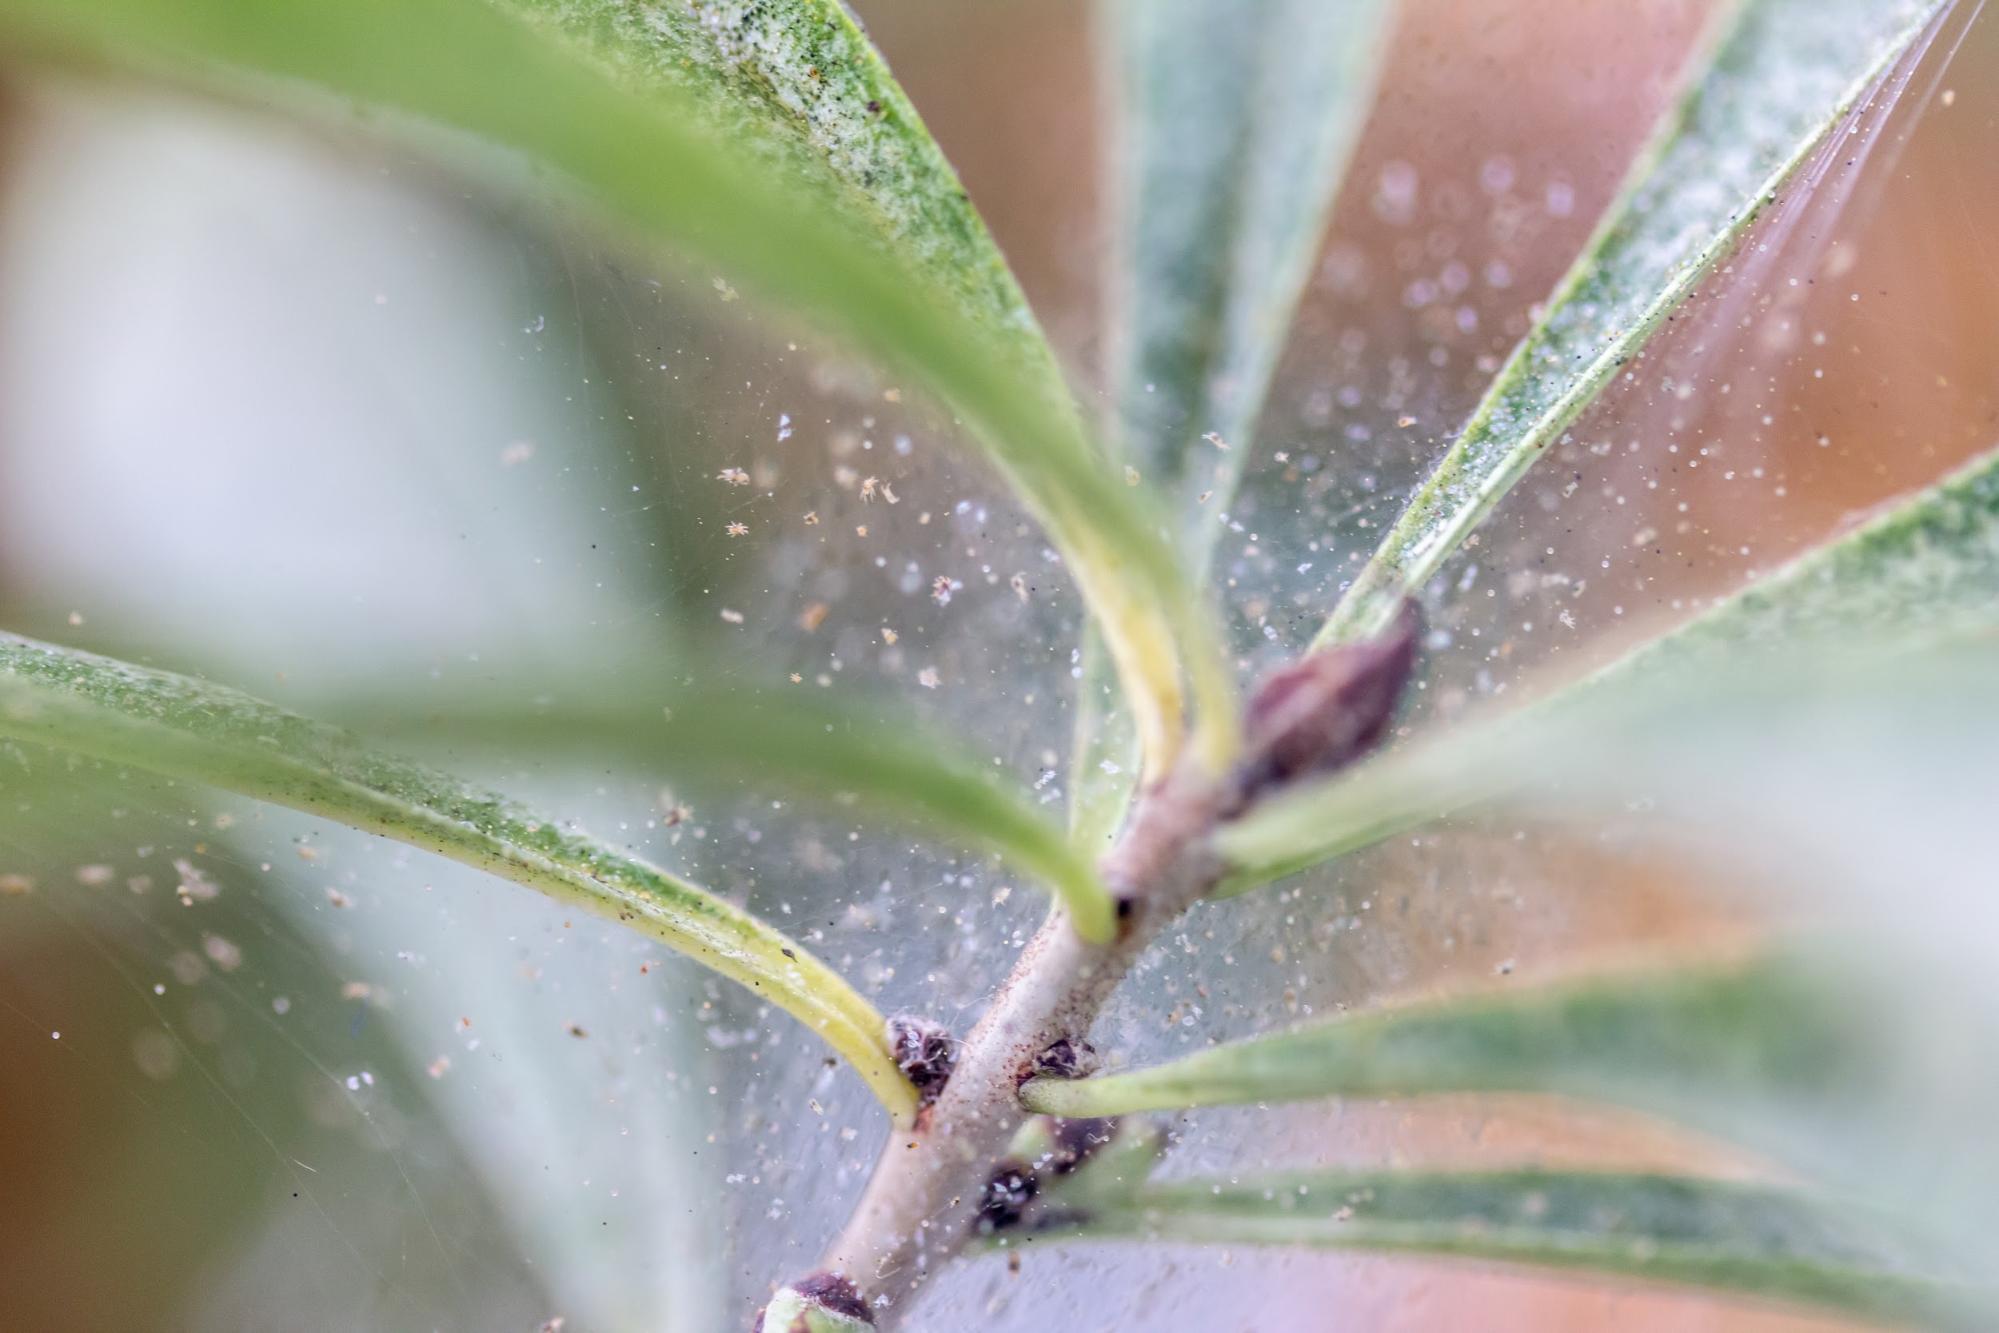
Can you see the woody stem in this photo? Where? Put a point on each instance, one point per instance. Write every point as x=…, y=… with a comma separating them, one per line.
x=918, y=1209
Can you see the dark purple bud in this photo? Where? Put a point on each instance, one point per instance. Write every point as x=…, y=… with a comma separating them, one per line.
x=1327, y=709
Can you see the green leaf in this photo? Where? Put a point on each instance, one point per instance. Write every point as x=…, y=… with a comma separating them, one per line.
x=1836, y=1061
x=1782, y=78
x=648, y=154
x=188, y=729
x=1642, y=1040
x=1236, y=123
x=796, y=743
x=1757, y=1241
x=1925, y=567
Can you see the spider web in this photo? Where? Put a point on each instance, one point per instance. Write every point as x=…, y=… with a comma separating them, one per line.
x=306, y=417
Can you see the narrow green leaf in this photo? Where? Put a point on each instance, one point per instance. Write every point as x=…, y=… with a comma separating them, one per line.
x=1785, y=74
x=799, y=744
x=1644, y=1041
x=1753, y=1240
x=1236, y=123
x=1841, y=1062
x=1925, y=567
x=647, y=153
x=188, y=729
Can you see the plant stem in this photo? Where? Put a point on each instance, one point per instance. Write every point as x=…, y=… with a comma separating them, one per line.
x=919, y=1206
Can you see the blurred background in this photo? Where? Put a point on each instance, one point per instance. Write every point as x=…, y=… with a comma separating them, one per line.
x=305, y=412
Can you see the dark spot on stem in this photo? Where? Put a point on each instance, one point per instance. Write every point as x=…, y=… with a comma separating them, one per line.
x=1064, y=1058
x=925, y=1052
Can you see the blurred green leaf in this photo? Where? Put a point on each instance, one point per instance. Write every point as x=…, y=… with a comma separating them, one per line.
x=1757, y=1241
x=1833, y=1060
x=884, y=766
x=1926, y=567
x=648, y=153
x=1236, y=120
x=1781, y=79
x=192, y=730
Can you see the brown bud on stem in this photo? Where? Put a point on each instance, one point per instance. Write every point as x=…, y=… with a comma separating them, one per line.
x=1327, y=709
